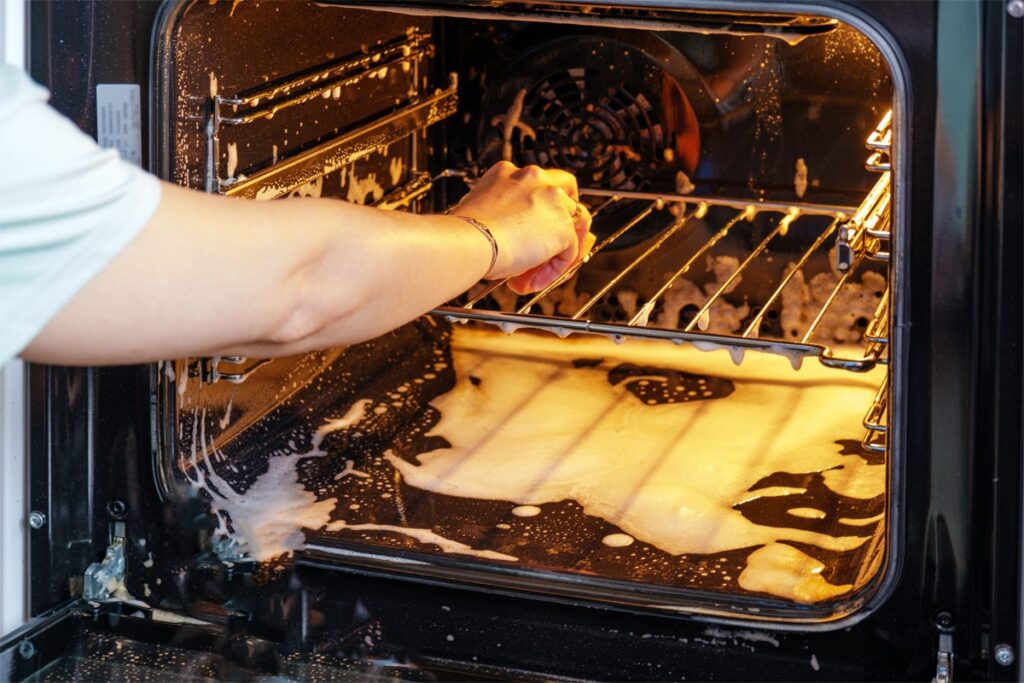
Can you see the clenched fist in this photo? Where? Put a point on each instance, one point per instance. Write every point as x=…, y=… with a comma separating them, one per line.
x=535, y=215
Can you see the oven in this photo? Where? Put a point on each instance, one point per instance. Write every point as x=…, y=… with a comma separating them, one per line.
x=769, y=429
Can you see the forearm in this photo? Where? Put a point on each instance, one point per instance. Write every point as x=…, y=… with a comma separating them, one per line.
x=210, y=275
x=363, y=272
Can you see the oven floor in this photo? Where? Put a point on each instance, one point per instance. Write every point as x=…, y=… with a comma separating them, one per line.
x=644, y=462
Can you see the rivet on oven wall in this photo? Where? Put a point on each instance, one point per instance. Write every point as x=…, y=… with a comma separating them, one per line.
x=26, y=649
x=36, y=519
x=1015, y=8
x=1004, y=654
x=117, y=508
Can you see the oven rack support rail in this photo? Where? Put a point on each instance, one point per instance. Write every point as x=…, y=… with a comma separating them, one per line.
x=277, y=179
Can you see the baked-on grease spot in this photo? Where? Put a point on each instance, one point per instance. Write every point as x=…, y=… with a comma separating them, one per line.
x=586, y=362
x=658, y=386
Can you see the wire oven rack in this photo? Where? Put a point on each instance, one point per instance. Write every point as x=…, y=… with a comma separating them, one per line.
x=861, y=234
x=786, y=216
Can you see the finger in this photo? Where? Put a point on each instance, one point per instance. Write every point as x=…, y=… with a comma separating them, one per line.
x=582, y=222
x=568, y=203
x=530, y=172
x=534, y=279
x=581, y=225
x=564, y=181
x=501, y=169
x=541, y=276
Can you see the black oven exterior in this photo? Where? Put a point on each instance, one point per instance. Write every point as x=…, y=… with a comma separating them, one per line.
x=956, y=590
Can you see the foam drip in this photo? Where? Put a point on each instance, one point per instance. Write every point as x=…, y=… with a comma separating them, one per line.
x=268, y=518
x=424, y=536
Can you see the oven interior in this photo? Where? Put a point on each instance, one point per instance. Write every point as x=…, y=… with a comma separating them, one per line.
x=694, y=420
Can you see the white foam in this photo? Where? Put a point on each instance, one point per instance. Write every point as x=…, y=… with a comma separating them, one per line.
x=226, y=420
x=785, y=571
x=232, y=159
x=351, y=469
x=800, y=178
x=806, y=513
x=424, y=536
x=526, y=511
x=537, y=430
x=269, y=517
x=618, y=540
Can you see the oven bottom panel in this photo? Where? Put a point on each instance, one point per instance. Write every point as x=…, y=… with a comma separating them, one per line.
x=643, y=474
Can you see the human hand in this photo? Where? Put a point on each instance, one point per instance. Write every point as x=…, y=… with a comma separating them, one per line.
x=530, y=211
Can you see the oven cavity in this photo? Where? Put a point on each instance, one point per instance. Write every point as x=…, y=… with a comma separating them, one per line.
x=694, y=418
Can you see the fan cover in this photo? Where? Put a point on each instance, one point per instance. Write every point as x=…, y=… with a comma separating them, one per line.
x=604, y=110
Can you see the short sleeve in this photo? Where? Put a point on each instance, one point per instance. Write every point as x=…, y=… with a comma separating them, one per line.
x=67, y=208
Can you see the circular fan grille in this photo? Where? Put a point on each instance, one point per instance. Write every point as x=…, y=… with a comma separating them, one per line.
x=607, y=135
x=615, y=114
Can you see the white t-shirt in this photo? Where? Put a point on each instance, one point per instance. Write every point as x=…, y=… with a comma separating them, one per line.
x=67, y=207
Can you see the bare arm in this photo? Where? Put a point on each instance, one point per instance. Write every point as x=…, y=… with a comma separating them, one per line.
x=216, y=276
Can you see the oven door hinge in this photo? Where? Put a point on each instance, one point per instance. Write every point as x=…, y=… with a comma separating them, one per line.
x=103, y=579
x=944, y=661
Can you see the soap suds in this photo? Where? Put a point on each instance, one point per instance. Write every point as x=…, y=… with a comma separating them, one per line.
x=232, y=159
x=800, y=179
x=226, y=420
x=617, y=540
x=314, y=188
x=675, y=488
x=783, y=570
x=510, y=122
x=395, y=168
x=361, y=190
x=424, y=536
x=745, y=635
x=268, y=518
x=351, y=469
x=807, y=513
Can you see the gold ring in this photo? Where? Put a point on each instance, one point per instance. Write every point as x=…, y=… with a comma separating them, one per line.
x=578, y=212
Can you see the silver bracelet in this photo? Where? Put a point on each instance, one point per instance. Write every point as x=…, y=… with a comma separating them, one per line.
x=488, y=234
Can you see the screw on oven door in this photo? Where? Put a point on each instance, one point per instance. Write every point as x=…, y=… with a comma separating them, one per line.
x=1015, y=8
x=1004, y=654
x=36, y=519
